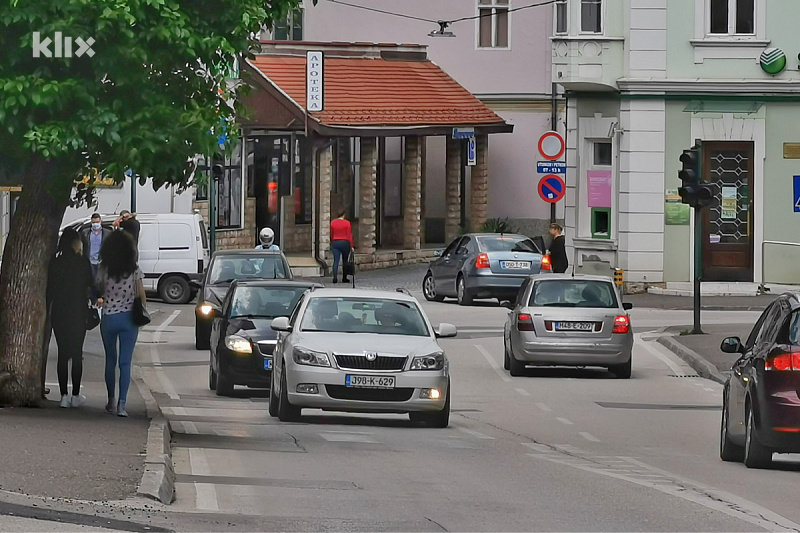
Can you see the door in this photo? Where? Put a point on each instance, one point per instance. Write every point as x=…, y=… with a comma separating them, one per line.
x=176, y=248
x=148, y=254
x=271, y=168
x=444, y=271
x=728, y=222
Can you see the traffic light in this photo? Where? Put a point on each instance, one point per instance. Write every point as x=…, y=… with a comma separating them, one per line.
x=693, y=191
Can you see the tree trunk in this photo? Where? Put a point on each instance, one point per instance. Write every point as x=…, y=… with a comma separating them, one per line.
x=23, y=283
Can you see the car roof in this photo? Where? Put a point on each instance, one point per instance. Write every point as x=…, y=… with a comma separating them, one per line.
x=363, y=293
x=579, y=277
x=496, y=235
x=231, y=253
x=276, y=283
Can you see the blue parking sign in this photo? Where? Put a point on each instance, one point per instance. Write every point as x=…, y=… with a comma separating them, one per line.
x=796, y=195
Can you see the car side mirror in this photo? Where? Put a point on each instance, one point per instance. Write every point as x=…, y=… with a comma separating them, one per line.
x=281, y=324
x=437, y=253
x=508, y=304
x=627, y=307
x=731, y=345
x=446, y=331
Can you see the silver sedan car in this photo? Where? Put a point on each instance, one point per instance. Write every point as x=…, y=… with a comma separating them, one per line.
x=361, y=351
x=559, y=320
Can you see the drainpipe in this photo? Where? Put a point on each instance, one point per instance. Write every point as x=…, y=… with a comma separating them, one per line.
x=315, y=200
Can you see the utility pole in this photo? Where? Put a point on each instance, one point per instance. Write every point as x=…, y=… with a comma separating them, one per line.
x=133, y=193
x=698, y=195
x=553, y=127
x=216, y=175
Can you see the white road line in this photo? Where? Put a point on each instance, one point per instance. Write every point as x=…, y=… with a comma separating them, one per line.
x=476, y=434
x=169, y=389
x=663, y=358
x=499, y=371
x=588, y=436
x=543, y=407
x=205, y=493
x=190, y=428
x=523, y=392
x=565, y=421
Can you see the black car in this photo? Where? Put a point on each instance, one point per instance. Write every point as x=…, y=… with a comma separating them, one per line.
x=242, y=341
x=761, y=406
x=225, y=268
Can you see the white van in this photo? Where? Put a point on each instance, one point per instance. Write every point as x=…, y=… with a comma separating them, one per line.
x=173, y=251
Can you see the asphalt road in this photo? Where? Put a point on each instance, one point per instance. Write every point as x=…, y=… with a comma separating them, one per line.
x=559, y=449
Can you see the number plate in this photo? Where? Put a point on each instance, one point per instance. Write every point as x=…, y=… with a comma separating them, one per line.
x=267, y=364
x=370, y=382
x=574, y=326
x=515, y=265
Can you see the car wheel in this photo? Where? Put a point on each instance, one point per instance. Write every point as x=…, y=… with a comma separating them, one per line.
x=438, y=419
x=756, y=455
x=515, y=368
x=224, y=385
x=728, y=451
x=506, y=356
x=273, y=398
x=622, y=371
x=202, y=336
x=212, y=378
x=286, y=411
x=175, y=290
x=429, y=289
x=464, y=296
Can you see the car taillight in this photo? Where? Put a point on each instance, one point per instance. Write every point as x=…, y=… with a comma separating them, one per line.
x=482, y=261
x=546, y=264
x=783, y=362
x=524, y=322
x=622, y=324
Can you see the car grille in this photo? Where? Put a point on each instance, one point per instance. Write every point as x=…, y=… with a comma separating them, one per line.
x=340, y=392
x=359, y=362
x=266, y=348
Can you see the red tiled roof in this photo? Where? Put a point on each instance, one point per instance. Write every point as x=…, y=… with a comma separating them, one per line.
x=379, y=92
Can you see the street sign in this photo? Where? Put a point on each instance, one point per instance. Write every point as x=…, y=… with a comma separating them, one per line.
x=463, y=133
x=551, y=167
x=796, y=194
x=472, y=157
x=552, y=188
x=314, y=82
x=552, y=145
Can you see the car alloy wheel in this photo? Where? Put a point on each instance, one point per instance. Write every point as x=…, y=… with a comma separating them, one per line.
x=464, y=297
x=756, y=455
x=515, y=368
x=224, y=384
x=624, y=370
x=429, y=289
x=437, y=419
x=273, y=398
x=506, y=356
x=212, y=378
x=728, y=451
x=286, y=411
x=202, y=336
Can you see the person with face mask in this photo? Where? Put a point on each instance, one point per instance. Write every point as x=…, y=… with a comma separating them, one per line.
x=93, y=239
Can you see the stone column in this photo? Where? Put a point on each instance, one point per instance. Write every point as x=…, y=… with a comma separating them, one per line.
x=412, y=189
x=367, y=210
x=452, y=222
x=325, y=175
x=479, y=185
x=423, y=151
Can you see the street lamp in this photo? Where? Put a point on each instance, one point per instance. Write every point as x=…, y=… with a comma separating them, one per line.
x=442, y=31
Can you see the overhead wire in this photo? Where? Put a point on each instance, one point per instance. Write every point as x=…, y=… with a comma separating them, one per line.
x=376, y=10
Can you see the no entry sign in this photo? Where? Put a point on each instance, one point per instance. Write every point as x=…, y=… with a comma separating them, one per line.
x=552, y=188
x=552, y=145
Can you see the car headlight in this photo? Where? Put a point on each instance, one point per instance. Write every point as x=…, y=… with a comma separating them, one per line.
x=434, y=361
x=303, y=356
x=206, y=309
x=238, y=344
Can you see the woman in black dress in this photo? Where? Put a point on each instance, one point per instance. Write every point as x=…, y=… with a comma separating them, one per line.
x=558, y=249
x=68, y=284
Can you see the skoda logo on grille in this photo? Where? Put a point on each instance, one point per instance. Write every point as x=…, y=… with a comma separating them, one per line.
x=371, y=356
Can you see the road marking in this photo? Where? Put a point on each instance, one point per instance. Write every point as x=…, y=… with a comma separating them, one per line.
x=663, y=358
x=499, y=371
x=169, y=389
x=589, y=436
x=205, y=493
x=565, y=421
x=476, y=434
x=543, y=407
x=523, y=392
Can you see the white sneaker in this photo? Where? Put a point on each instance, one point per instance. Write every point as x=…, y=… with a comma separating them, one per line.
x=78, y=400
x=65, y=402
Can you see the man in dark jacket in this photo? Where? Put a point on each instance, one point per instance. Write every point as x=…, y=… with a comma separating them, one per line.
x=93, y=239
x=127, y=222
x=558, y=249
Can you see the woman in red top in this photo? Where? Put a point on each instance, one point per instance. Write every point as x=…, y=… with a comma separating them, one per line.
x=341, y=243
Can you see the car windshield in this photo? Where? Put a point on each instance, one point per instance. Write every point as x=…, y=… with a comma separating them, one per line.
x=265, y=302
x=364, y=315
x=229, y=268
x=507, y=244
x=574, y=293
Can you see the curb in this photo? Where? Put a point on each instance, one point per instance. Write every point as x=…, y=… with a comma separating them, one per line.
x=694, y=359
x=158, y=479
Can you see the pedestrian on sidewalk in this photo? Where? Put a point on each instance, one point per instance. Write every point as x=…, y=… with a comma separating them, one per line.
x=341, y=244
x=558, y=249
x=93, y=238
x=69, y=283
x=119, y=284
x=127, y=222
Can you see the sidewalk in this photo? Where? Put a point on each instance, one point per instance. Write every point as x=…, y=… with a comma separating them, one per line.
x=82, y=453
x=702, y=352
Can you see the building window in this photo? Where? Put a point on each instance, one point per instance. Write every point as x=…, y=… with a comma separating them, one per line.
x=561, y=16
x=303, y=181
x=602, y=154
x=289, y=28
x=592, y=16
x=229, y=192
x=732, y=17
x=493, y=27
x=345, y=178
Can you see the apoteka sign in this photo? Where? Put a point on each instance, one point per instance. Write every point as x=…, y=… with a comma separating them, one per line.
x=314, y=82
x=773, y=61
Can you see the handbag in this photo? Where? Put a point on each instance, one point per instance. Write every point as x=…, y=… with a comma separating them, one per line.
x=349, y=267
x=92, y=318
x=141, y=317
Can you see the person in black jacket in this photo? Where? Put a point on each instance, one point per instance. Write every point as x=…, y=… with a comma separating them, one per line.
x=558, y=249
x=68, y=284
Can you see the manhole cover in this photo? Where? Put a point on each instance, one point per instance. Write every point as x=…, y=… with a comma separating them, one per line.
x=684, y=376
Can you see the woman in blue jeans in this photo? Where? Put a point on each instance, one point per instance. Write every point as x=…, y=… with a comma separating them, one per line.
x=119, y=284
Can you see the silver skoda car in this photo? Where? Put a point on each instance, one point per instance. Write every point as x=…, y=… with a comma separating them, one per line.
x=361, y=351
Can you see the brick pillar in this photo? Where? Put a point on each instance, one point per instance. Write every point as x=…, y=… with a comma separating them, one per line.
x=367, y=210
x=422, y=180
x=479, y=184
x=412, y=187
x=325, y=175
x=452, y=222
